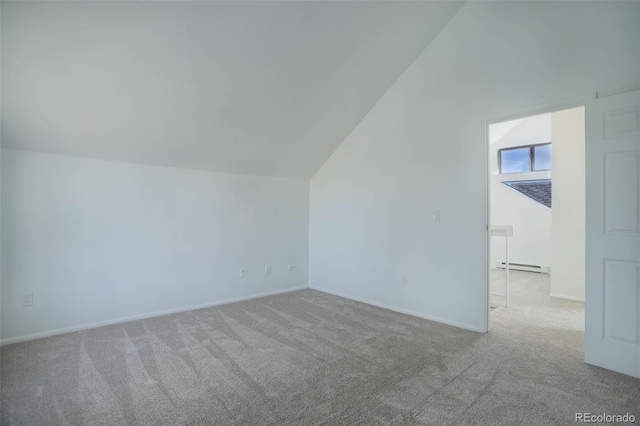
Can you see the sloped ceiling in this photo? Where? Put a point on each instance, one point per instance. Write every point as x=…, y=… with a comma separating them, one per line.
x=500, y=130
x=260, y=88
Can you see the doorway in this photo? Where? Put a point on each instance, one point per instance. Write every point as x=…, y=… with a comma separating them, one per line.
x=536, y=203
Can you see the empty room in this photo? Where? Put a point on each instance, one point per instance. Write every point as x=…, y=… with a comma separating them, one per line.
x=279, y=213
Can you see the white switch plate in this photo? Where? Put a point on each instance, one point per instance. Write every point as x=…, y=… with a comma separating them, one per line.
x=405, y=281
x=243, y=272
x=27, y=299
x=267, y=269
x=436, y=216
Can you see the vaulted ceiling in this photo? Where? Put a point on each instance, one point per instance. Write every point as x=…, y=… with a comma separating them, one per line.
x=260, y=88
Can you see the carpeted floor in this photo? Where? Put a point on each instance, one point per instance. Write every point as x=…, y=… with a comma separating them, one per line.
x=307, y=358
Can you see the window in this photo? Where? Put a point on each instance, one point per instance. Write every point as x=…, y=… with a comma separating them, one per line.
x=530, y=158
x=542, y=157
x=515, y=160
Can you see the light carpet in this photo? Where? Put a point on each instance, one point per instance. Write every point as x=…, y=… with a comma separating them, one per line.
x=309, y=358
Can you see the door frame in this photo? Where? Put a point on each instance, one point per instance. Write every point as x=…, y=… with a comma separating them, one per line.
x=514, y=114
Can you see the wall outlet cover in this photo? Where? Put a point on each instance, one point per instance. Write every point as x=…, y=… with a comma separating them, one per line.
x=27, y=299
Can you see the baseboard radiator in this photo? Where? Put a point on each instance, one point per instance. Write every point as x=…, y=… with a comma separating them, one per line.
x=524, y=267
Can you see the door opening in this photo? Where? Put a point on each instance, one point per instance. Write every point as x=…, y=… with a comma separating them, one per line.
x=536, y=201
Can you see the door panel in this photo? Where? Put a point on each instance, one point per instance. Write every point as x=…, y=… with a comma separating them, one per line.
x=612, y=308
x=621, y=300
x=621, y=192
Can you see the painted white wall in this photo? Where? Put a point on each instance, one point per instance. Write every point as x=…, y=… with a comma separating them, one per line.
x=421, y=149
x=531, y=241
x=97, y=241
x=568, y=248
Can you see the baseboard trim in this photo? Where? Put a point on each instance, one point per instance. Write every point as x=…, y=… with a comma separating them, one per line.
x=561, y=296
x=400, y=310
x=40, y=335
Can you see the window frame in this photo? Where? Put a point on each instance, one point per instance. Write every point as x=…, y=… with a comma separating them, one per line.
x=532, y=158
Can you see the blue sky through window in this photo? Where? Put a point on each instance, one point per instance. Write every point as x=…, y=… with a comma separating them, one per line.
x=542, y=157
x=515, y=160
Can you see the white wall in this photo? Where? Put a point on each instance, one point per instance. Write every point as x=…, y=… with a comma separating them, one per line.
x=99, y=241
x=421, y=148
x=568, y=275
x=531, y=241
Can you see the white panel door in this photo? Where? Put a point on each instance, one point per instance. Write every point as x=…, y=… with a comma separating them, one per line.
x=612, y=309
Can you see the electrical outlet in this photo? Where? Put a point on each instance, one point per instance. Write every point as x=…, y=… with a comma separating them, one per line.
x=291, y=268
x=27, y=299
x=243, y=272
x=404, y=282
x=267, y=269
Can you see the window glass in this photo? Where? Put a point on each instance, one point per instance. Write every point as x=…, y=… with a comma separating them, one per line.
x=515, y=160
x=542, y=157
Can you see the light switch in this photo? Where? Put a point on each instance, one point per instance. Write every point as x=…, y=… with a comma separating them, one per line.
x=436, y=216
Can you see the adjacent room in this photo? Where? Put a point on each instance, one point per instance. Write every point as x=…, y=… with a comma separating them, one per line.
x=297, y=212
x=537, y=202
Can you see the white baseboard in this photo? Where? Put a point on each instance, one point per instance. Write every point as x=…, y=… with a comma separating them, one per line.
x=400, y=310
x=562, y=296
x=65, y=330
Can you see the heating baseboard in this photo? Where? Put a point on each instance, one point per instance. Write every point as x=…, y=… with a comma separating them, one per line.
x=525, y=267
